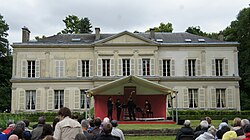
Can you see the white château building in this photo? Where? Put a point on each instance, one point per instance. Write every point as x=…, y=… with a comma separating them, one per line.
x=56, y=71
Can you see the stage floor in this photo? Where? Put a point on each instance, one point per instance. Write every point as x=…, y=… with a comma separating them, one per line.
x=147, y=122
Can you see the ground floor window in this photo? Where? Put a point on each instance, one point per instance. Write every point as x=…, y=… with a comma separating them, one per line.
x=85, y=100
x=220, y=97
x=30, y=100
x=193, y=98
x=58, y=99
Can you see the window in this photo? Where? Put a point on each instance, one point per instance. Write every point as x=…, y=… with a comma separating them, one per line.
x=32, y=68
x=105, y=67
x=191, y=67
x=126, y=67
x=218, y=67
x=166, y=67
x=59, y=68
x=58, y=99
x=30, y=100
x=85, y=68
x=85, y=100
x=193, y=98
x=145, y=67
x=220, y=98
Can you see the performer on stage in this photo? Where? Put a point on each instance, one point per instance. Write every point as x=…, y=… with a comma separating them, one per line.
x=131, y=108
x=147, y=108
x=118, y=106
x=110, y=108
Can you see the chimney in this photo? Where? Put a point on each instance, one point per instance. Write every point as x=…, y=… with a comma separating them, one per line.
x=152, y=34
x=97, y=33
x=25, y=34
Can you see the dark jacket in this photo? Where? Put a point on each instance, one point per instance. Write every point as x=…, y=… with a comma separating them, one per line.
x=240, y=132
x=107, y=137
x=184, y=131
x=198, y=133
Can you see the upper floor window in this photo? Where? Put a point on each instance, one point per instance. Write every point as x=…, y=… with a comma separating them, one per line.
x=145, y=67
x=125, y=67
x=221, y=98
x=59, y=68
x=30, y=100
x=191, y=67
x=105, y=67
x=85, y=68
x=218, y=67
x=193, y=98
x=85, y=100
x=166, y=69
x=58, y=99
x=31, y=68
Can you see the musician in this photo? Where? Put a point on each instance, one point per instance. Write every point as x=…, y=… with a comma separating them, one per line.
x=131, y=107
x=147, y=107
x=110, y=108
x=118, y=106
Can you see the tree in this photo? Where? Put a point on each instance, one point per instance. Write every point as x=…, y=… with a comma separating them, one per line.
x=163, y=28
x=197, y=31
x=5, y=66
x=74, y=25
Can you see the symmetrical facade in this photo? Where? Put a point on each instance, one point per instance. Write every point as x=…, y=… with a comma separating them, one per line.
x=56, y=71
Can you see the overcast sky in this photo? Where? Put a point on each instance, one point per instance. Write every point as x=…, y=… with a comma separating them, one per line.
x=44, y=17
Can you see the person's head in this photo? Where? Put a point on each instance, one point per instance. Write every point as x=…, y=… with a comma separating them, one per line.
x=107, y=128
x=209, y=120
x=118, y=100
x=236, y=122
x=204, y=124
x=41, y=120
x=202, y=119
x=27, y=122
x=9, y=123
x=47, y=130
x=224, y=120
x=212, y=130
x=229, y=135
x=49, y=138
x=85, y=124
x=80, y=136
x=146, y=101
x=110, y=98
x=13, y=137
x=244, y=122
x=20, y=124
x=114, y=123
x=91, y=123
x=64, y=112
x=187, y=123
x=55, y=121
x=98, y=122
x=246, y=128
x=106, y=120
x=19, y=132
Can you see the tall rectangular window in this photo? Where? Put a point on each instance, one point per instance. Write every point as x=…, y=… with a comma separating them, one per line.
x=30, y=100
x=85, y=100
x=191, y=67
x=218, y=67
x=105, y=67
x=31, y=68
x=59, y=68
x=85, y=68
x=145, y=67
x=58, y=99
x=193, y=98
x=166, y=67
x=221, y=98
x=126, y=67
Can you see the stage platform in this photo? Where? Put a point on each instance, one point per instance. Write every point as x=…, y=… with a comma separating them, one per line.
x=147, y=122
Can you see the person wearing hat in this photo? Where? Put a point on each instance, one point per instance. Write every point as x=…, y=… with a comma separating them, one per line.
x=116, y=131
x=229, y=135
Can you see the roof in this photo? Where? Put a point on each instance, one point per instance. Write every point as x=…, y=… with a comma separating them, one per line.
x=160, y=37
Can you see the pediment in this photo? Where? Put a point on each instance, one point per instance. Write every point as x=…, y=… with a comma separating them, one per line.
x=126, y=39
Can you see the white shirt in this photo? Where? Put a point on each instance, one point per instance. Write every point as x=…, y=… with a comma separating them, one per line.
x=117, y=132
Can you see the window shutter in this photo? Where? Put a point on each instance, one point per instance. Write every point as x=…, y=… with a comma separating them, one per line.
x=50, y=99
x=38, y=68
x=172, y=67
x=185, y=98
x=90, y=68
x=213, y=67
x=99, y=67
x=139, y=67
x=77, y=99
x=119, y=67
x=160, y=68
x=132, y=66
x=38, y=99
x=24, y=69
x=66, y=98
x=186, y=67
x=230, y=99
x=79, y=68
x=226, y=67
x=112, y=67
x=62, y=69
x=213, y=97
x=152, y=67
x=202, y=98
x=198, y=67
x=22, y=100
x=57, y=68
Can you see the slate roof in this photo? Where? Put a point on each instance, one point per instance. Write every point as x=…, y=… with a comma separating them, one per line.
x=90, y=38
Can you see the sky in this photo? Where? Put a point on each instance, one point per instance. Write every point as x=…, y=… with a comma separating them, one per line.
x=44, y=17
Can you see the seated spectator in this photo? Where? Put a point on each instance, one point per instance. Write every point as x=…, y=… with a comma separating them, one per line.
x=229, y=135
x=19, y=130
x=85, y=126
x=107, y=128
x=97, y=130
x=3, y=136
x=27, y=123
x=209, y=121
x=37, y=132
x=224, y=122
x=185, y=130
x=209, y=135
x=222, y=131
x=116, y=131
x=10, y=128
x=204, y=127
x=80, y=136
x=67, y=128
x=91, y=125
x=47, y=131
x=13, y=137
x=55, y=121
x=247, y=132
x=198, y=128
x=236, y=124
x=240, y=132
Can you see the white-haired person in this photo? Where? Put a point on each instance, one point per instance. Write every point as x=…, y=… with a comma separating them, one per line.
x=240, y=131
x=209, y=135
x=185, y=130
x=204, y=128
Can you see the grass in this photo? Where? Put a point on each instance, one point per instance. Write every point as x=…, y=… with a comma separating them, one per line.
x=150, y=137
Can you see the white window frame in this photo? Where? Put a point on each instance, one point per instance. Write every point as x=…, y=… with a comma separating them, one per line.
x=30, y=94
x=166, y=69
x=105, y=65
x=58, y=95
x=32, y=71
x=85, y=68
x=146, y=67
x=127, y=67
x=59, y=68
x=191, y=69
x=84, y=100
x=219, y=67
x=221, y=98
x=193, y=98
